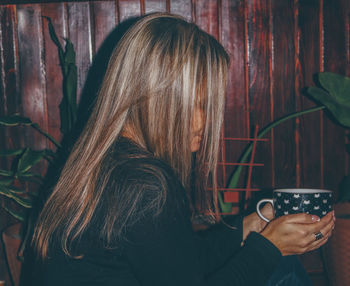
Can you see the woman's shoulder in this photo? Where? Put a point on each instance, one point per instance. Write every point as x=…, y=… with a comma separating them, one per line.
x=135, y=180
x=134, y=165
x=135, y=185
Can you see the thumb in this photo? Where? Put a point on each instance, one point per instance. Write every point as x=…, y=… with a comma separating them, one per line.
x=302, y=218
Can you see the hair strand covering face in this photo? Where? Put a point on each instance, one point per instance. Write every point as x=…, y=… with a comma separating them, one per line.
x=161, y=70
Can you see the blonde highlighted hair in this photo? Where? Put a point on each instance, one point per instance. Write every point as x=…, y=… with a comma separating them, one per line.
x=160, y=71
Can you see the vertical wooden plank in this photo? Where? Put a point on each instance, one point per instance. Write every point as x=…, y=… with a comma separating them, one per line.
x=104, y=20
x=235, y=124
x=310, y=125
x=32, y=71
x=155, y=6
x=104, y=17
x=206, y=15
x=260, y=104
x=129, y=8
x=79, y=23
x=334, y=61
x=284, y=92
x=182, y=7
x=9, y=61
x=10, y=98
x=9, y=103
x=57, y=14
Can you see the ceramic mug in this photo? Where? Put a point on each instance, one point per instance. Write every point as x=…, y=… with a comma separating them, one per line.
x=291, y=201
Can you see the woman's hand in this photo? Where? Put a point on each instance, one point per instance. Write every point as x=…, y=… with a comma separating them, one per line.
x=295, y=234
x=253, y=222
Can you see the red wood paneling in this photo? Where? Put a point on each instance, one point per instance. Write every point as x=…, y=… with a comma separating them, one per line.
x=129, y=8
x=310, y=42
x=284, y=92
x=237, y=103
x=10, y=99
x=183, y=8
x=9, y=60
x=258, y=61
x=79, y=24
x=152, y=6
x=206, y=16
x=310, y=37
x=105, y=18
x=32, y=71
x=57, y=13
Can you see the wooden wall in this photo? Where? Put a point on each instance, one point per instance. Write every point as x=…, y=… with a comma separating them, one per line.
x=275, y=46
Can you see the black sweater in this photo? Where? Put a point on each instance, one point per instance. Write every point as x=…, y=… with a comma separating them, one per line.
x=160, y=248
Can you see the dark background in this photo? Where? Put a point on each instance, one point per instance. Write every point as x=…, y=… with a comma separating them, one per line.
x=276, y=46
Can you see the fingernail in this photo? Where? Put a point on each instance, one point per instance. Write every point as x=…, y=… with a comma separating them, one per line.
x=315, y=218
x=333, y=227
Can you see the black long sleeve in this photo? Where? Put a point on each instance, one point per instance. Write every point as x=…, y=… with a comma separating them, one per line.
x=164, y=250
x=161, y=248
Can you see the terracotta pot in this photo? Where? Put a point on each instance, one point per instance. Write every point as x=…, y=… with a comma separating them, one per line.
x=337, y=251
x=12, y=241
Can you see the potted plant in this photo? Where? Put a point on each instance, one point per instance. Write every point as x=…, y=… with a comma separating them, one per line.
x=20, y=184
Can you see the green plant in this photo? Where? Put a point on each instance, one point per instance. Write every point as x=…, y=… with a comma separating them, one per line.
x=14, y=181
x=333, y=95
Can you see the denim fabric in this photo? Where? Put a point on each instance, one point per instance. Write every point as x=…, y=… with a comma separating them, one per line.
x=289, y=272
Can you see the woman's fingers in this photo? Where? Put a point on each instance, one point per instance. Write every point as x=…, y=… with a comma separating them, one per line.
x=301, y=218
x=312, y=231
x=296, y=234
x=323, y=223
x=325, y=227
x=267, y=211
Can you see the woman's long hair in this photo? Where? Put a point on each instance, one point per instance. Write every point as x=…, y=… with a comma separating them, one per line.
x=161, y=70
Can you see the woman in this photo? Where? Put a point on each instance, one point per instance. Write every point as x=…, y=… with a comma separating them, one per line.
x=121, y=211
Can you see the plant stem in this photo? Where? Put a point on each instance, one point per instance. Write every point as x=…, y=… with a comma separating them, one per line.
x=48, y=136
x=237, y=173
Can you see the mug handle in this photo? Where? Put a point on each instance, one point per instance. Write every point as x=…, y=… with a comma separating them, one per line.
x=258, y=208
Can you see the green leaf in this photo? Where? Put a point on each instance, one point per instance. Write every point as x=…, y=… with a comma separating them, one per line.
x=337, y=85
x=69, y=54
x=29, y=159
x=14, y=120
x=335, y=103
x=54, y=38
x=48, y=136
x=7, y=153
x=6, y=182
x=68, y=106
x=30, y=177
x=17, y=191
x=24, y=201
x=16, y=214
x=6, y=173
